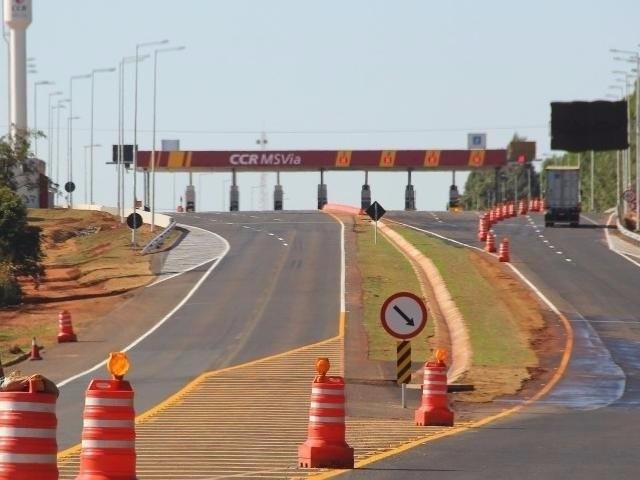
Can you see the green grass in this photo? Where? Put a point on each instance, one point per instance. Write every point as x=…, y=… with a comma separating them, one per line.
x=385, y=271
x=497, y=337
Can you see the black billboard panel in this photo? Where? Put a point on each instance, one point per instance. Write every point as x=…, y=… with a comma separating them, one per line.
x=584, y=126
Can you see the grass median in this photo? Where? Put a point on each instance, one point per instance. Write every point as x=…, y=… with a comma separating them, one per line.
x=385, y=271
x=502, y=316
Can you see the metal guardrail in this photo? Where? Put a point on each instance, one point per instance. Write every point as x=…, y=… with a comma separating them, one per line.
x=155, y=242
x=627, y=233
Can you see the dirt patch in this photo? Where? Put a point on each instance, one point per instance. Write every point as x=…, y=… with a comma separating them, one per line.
x=90, y=266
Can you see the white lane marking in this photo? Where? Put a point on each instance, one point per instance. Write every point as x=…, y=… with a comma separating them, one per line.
x=244, y=226
x=271, y=234
x=551, y=246
x=559, y=253
x=285, y=244
x=568, y=259
x=166, y=317
x=540, y=236
x=545, y=241
x=281, y=239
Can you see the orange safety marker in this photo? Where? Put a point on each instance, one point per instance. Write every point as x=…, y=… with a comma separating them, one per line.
x=434, y=409
x=482, y=229
x=325, y=446
x=35, y=350
x=503, y=253
x=28, y=447
x=108, y=433
x=65, y=328
x=490, y=245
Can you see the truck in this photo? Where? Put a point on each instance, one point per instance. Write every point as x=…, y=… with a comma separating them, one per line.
x=562, y=196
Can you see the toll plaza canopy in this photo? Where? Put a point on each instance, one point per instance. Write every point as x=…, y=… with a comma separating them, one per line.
x=313, y=160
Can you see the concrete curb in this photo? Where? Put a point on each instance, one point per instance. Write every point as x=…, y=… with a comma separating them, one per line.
x=461, y=353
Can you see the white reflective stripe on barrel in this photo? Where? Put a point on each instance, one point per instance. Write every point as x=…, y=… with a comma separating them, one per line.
x=319, y=419
x=327, y=391
x=28, y=432
x=433, y=392
x=26, y=458
x=92, y=422
x=432, y=382
x=326, y=405
x=108, y=443
x=109, y=402
x=7, y=405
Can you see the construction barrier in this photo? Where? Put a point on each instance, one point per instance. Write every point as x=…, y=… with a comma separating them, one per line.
x=434, y=409
x=503, y=253
x=326, y=446
x=28, y=447
x=65, y=328
x=490, y=244
x=108, y=433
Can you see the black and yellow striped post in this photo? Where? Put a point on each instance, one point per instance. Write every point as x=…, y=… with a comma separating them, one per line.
x=403, y=350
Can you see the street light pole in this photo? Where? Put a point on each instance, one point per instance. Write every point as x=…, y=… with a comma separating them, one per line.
x=71, y=118
x=86, y=170
x=35, y=112
x=153, y=152
x=135, y=127
x=91, y=145
x=50, y=132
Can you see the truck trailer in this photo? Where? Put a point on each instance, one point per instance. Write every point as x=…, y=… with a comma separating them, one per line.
x=562, y=196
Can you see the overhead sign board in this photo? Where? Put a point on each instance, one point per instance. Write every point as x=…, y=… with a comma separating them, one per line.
x=403, y=315
x=476, y=141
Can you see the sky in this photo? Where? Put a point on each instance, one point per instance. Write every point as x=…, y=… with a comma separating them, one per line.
x=357, y=74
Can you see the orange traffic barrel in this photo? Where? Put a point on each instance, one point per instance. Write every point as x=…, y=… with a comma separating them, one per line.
x=434, y=409
x=503, y=253
x=35, y=350
x=326, y=446
x=490, y=245
x=65, y=328
x=108, y=433
x=28, y=447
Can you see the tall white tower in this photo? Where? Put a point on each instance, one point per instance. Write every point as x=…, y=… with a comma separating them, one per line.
x=17, y=16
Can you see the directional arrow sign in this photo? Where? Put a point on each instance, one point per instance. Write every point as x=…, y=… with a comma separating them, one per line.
x=403, y=315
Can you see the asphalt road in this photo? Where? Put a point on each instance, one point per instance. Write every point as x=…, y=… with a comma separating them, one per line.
x=587, y=427
x=278, y=288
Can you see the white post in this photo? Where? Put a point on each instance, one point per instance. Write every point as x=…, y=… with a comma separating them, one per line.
x=591, y=202
x=637, y=125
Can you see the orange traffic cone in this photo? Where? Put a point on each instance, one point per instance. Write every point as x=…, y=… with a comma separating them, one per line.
x=65, y=328
x=325, y=446
x=35, y=350
x=490, y=245
x=434, y=409
x=503, y=254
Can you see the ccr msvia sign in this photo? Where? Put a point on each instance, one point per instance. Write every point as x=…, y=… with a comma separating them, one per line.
x=267, y=159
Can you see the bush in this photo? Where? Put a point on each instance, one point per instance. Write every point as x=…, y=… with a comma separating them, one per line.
x=10, y=292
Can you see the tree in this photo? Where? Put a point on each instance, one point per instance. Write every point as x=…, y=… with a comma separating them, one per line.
x=20, y=251
x=13, y=152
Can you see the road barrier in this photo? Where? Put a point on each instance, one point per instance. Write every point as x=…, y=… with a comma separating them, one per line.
x=28, y=425
x=326, y=446
x=483, y=228
x=155, y=242
x=503, y=254
x=434, y=409
x=65, y=328
x=490, y=244
x=108, y=432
